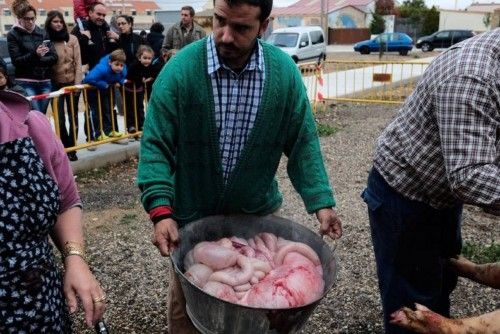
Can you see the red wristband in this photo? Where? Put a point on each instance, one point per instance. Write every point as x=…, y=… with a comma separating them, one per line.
x=160, y=213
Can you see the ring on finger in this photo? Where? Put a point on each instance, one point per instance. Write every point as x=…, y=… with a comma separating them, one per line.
x=101, y=299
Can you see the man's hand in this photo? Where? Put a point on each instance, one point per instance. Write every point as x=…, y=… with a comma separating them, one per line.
x=165, y=236
x=112, y=35
x=86, y=33
x=329, y=223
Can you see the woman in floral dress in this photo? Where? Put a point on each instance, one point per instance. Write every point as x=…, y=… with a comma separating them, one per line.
x=38, y=199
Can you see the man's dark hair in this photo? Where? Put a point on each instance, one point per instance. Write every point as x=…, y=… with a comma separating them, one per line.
x=157, y=27
x=191, y=10
x=94, y=4
x=265, y=6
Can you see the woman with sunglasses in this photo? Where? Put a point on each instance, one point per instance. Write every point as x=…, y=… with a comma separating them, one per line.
x=129, y=41
x=32, y=54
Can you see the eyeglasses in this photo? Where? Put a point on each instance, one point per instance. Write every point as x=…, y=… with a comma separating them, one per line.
x=121, y=23
x=26, y=18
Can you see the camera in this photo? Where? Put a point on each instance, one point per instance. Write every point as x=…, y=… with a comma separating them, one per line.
x=46, y=42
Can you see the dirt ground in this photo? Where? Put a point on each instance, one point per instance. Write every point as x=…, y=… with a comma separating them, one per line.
x=134, y=275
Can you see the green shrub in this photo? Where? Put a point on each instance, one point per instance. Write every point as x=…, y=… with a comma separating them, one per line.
x=479, y=253
x=325, y=130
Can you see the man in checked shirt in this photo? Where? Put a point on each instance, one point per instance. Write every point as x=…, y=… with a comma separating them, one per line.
x=222, y=113
x=441, y=151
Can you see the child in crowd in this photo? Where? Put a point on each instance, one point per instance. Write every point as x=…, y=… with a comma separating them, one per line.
x=140, y=77
x=81, y=15
x=6, y=83
x=110, y=70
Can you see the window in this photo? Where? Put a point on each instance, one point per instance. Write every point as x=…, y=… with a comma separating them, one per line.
x=134, y=13
x=443, y=34
x=66, y=13
x=148, y=12
x=7, y=12
x=4, y=49
x=7, y=27
x=304, y=40
x=43, y=12
x=288, y=40
x=383, y=38
x=316, y=37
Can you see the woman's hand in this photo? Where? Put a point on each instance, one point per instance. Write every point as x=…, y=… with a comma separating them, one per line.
x=146, y=80
x=79, y=281
x=42, y=50
x=112, y=35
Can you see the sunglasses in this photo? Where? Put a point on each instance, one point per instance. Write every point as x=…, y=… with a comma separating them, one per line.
x=26, y=18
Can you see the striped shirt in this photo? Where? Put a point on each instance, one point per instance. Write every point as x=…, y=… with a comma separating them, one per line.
x=443, y=148
x=237, y=99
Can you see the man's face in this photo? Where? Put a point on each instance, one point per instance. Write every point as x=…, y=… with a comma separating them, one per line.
x=236, y=29
x=116, y=66
x=97, y=15
x=186, y=18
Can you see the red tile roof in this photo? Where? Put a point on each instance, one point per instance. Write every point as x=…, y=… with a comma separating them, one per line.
x=139, y=6
x=313, y=7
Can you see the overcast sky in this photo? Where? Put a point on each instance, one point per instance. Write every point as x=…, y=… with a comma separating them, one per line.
x=445, y=4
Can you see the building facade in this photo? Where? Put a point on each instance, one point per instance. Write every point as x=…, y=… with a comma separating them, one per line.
x=142, y=11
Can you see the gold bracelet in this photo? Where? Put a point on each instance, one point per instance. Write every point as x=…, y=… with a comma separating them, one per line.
x=74, y=248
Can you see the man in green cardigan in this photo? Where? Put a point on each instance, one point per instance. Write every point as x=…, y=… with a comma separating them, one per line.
x=222, y=113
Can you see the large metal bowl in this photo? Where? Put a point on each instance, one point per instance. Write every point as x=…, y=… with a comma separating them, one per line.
x=211, y=315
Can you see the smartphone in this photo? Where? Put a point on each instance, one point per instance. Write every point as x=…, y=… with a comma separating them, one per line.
x=46, y=42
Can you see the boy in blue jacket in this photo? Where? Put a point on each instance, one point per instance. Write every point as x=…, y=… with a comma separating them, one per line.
x=110, y=70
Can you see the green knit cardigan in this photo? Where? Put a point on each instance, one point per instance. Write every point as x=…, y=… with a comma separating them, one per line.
x=180, y=163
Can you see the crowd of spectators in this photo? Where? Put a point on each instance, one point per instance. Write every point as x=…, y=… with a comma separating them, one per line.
x=52, y=56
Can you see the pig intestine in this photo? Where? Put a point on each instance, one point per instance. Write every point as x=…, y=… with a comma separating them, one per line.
x=264, y=271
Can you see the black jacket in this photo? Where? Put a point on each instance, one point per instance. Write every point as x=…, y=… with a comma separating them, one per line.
x=100, y=46
x=22, y=50
x=136, y=72
x=130, y=44
x=155, y=40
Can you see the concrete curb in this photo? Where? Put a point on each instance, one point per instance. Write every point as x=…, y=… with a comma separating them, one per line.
x=104, y=155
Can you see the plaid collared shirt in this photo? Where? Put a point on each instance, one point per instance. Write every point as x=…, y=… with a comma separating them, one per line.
x=237, y=100
x=443, y=148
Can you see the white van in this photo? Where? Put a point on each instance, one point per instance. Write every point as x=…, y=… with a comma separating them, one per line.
x=300, y=42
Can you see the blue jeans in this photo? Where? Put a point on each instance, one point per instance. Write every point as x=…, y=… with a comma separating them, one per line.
x=412, y=242
x=107, y=112
x=36, y=88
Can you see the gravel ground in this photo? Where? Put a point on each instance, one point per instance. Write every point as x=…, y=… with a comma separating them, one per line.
x=135, y=275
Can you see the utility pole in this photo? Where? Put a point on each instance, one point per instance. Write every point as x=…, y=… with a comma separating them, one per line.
x=324, y=17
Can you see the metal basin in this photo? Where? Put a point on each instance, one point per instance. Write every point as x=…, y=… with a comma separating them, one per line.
x=211, y=315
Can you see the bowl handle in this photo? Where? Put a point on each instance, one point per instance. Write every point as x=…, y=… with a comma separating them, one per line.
x=334, y=245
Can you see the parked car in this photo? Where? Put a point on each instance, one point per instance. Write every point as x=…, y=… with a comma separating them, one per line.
x=300, y=42
x=443, y=39
x=394, y=42
x=4, y=54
